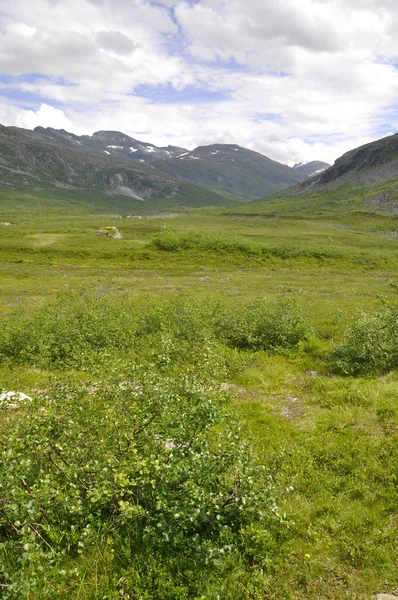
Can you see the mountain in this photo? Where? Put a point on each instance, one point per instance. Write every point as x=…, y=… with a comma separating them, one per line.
x=232, y=170
x=225, y=168
x=363, y=181
x=48, y=159
x=309, y=169
x=117, y=164
x=371, y=165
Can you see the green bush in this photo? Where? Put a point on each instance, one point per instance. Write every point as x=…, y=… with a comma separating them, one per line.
x=66, y=331
x=264, y=325
x=84, y=332
x=174, y=241
x=370, y=346
x=150, y=475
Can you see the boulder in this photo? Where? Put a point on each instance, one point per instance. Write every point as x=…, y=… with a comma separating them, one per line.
x=110, y=232
x=13, y=400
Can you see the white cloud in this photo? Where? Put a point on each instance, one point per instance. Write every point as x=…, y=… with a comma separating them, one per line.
x=117, y=42
x=45, y=116
x=311, y=78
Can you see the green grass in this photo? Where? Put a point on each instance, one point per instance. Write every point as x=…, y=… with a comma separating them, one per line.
x=178, y=304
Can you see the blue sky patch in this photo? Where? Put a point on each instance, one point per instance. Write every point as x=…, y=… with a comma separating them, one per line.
x=8, y=79
x=385, y=124
x=274, y=117
x=167, y=94
x=27, y=99
x=384, y=129
x=231, y=64
x=10, y=89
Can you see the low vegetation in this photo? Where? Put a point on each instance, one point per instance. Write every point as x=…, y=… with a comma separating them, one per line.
x=214, y=407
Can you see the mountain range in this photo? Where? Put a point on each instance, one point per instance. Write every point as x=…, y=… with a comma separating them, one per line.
x=111, y=163
x=117, y=164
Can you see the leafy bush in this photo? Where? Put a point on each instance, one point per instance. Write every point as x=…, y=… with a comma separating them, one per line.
x=147, y=473
x=264, y=325
x=370, y=346
x=174, y=241
x=79, y=330
x=66, y=331
x=85, y=332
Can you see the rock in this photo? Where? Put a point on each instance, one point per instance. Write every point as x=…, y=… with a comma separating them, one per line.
x=110, y=232
x=312, y=373
x=386, y=597
x=13, y=400
x=6, y=224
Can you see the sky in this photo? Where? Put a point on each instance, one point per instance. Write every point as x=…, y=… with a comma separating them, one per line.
x=296, y=80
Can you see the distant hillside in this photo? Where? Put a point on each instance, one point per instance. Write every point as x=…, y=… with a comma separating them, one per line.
x=232, y=170
x=115, y=163
x=309, y=169
x=355, y=204
x=362, y=182
x=377, y=160
x=48, y=159
x=371, y=164
x=228, y=169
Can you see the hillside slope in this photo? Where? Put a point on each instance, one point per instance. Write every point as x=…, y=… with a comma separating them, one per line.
x=43, y=160
x=371, y=165
x=231, y=169
x=309, y=169
x=117, y=163
x=227, y=168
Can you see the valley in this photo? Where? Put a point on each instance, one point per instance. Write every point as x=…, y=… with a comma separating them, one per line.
x=261, y=310
x=198, y=300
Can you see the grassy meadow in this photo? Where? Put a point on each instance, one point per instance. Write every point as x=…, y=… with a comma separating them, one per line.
x=214, y=405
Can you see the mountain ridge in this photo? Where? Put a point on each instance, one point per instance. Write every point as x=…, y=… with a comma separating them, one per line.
x=311, y=168
x=370, y=164
x=116, y=163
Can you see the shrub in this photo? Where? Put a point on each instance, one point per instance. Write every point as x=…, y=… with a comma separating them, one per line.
x=265, y=325
x=67, y=332
x=174, y=241
x=85, y=332
x=153, y=473
x=370, y=346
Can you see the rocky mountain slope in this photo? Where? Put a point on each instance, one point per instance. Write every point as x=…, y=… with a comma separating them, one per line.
x=46, y=159
x=309, y=169
x=371, y=165
x=116, y=163
x=363, y=179
x=226, y=168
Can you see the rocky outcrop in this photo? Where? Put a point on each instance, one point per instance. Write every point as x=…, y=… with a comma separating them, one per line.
x=13, y=400
x=110, y=232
